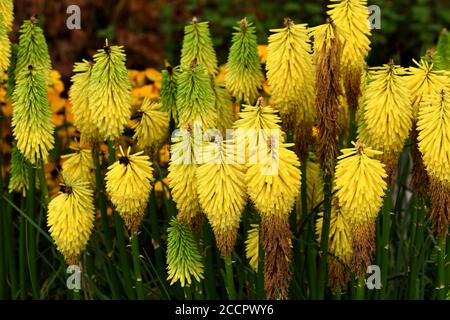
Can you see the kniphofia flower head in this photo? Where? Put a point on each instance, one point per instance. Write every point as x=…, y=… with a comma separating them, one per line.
x=71, y=217
x=128, y=183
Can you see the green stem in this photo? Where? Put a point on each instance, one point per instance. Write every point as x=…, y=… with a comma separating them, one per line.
x=137, y=266
x=156, y=238
x=352, y=126
x=231, y=290
x=119, y=228
x=260, y=292
x=10, y=252
x=104, y=216
x=123, y=259
x=322, y=278
x=440, y=285
x=360, y=289
x=22, y=253
x=101, y=199
x=385, y=241
x=417, y=239
x=31, y=236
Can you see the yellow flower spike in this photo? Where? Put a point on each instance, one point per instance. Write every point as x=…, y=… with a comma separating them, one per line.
x=79, y=164
x=252, y=246
x=387, y=112
x=351, y=17
x=340, y=245
x=290, y=71
x=182, y=176
x=7, y=12
x=151, y=125
x=274, y=185
x=360, y=183
x=314, y=184
x=70, y=217
x=424, y=81
x=79, y=98
x=128, y=183
x=434, y=134
x=221, y=191
x=5, y=45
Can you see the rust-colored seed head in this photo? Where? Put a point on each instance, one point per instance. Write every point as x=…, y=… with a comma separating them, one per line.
x=276, y=237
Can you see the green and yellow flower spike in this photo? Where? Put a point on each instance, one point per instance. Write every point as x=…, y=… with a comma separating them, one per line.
x=198, y=46
x=184, y=262
x=32, y=117
x=110, y=92
x=18, y=181
x=243, y=71
x=79, y=164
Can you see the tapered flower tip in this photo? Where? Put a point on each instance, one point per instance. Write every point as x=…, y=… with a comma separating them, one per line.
x=360, y=183
x=252, y=246
x=32, y=116
x=273, y=182
x=150, y=124
x=434, y=134
x=243, y=70
x=184, y=262
x=128, y=183
x=70, y=217
x=197, y=45
x=79, y=164
x=110, y=92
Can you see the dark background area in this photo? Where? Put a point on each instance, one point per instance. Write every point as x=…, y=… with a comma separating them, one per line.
x=152, y=30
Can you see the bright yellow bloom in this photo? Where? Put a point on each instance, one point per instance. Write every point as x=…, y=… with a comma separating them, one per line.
x=434, y=134
x=79, y=164
x=5, y=44
x=424, y=81
x=71, y=217
x=274, y=185
x=7, y=13
x=351, y=18
x=128, y=183
x=221, y=191
x=290, y=71
x=182, y=176
x=360, y=183
x=314, y=184
x=79, y=98
x=340, y=237
x=252, y=246
x=151, y=125
x=387, y=113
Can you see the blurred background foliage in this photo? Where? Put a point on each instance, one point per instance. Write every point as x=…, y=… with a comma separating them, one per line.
x=152, y=30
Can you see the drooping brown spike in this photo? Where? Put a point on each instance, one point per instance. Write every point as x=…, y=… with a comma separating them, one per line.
x=276, y=240
x=328, y=90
